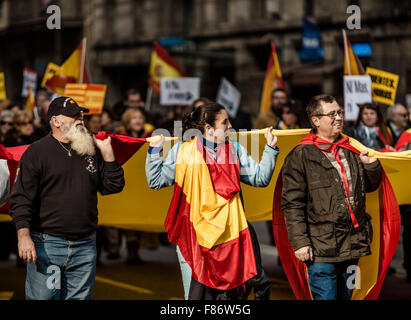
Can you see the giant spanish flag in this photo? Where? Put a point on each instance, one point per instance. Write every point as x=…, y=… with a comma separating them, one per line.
x=352, y=65
x=273, y=79
x=162, y=65
x=206, y=218
x=73, y=70
x=386, y=222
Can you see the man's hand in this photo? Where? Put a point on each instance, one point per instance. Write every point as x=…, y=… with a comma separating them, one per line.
x=105, y=148
x=271, y=140
x=157, y=141
x=365, y=159
x=305, y=253
x=26, y=248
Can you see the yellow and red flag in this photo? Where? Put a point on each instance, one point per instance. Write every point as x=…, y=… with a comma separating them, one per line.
x=73, y=70
x=90, y=96
x=206, y=218
x=162, y=65
x=352, y=65
x=273, y=79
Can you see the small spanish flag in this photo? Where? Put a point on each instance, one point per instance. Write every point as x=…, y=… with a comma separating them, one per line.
x=73, y=70
x=206, y=217
x=162, y=65
x=352, y=65
x=273, y=79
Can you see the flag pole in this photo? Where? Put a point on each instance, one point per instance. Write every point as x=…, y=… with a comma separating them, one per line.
x=347, y=58
x=83, y=59
x=149, y=98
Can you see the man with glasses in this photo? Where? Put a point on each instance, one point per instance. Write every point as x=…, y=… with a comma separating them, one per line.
x=323, y=200
x=397, y=121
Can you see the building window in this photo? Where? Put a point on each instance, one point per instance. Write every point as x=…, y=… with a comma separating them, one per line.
x=309, y=8
x=222, y=10
x=258, y=9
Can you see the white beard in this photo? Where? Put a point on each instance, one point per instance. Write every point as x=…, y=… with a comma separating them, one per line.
x=80, y=139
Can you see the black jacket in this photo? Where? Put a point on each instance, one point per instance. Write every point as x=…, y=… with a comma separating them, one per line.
x=56, y=194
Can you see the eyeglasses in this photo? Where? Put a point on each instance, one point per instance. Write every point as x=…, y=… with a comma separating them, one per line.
x=25, y=123
x=332, y=115
x=5, y=122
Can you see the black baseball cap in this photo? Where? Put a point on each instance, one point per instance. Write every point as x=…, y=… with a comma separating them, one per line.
x=65, y=106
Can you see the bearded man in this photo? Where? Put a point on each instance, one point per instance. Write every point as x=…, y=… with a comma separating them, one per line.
x=54, y=204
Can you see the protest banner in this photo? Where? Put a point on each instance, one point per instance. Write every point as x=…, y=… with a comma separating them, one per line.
x=229, y=97
x=29, y=80
x=179, y=91
x=357, y=90
x=384, y=85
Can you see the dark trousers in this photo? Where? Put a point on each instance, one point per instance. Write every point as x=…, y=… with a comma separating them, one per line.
x=261, y=283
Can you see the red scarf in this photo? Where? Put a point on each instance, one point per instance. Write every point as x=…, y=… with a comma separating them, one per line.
x=342, y=143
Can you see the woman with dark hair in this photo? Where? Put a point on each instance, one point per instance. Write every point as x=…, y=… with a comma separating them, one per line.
x=218, y=250
x=290, y=117
x=370, y=128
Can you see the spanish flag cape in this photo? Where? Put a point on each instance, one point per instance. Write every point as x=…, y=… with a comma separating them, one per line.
x=386, y=225
x=206, y=217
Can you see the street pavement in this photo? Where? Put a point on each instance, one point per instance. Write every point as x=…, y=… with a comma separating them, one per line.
x=159, y=277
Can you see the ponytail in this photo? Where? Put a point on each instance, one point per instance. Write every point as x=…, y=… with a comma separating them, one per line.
x=205, y=114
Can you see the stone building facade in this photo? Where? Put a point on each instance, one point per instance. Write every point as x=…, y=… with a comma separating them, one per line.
x=227, y=38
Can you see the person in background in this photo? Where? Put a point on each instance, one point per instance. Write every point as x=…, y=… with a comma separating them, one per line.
x=24, y=131
x=93, y=123
x=43, y=100
x=6, y=123
x=271, y=116
x=14, y=107
x=107, y=119
x=8, y=240
x=4, y=104
x=199, y=102
x=397, y=121
x=133, y=122
x=289, y=117
x=133, y=99
x=370, y=128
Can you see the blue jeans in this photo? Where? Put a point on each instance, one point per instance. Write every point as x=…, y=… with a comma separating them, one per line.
x=65, y=270
x=328, y=281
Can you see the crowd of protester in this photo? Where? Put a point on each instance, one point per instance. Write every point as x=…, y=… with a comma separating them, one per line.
x=377, y=127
